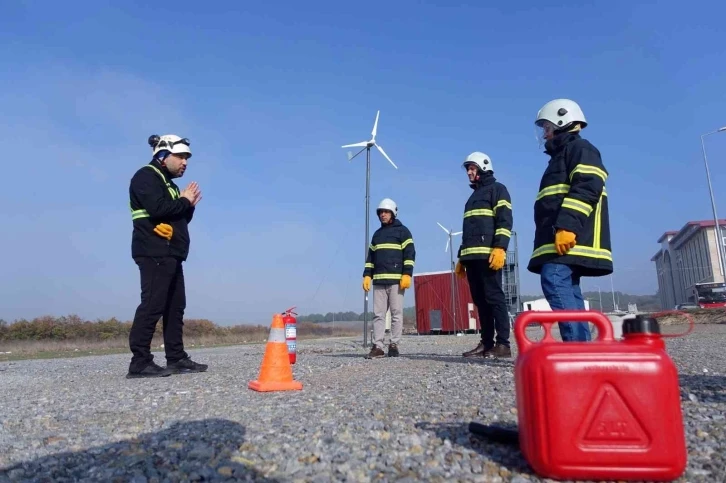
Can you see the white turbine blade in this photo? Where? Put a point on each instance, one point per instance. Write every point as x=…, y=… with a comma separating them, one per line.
x=384, y=153
x=447, y=245
x=356, y=145
x=457, y=233
x=442, y=227
x=375, y=126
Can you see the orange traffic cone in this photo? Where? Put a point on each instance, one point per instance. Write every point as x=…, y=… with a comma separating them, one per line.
x=276, y=371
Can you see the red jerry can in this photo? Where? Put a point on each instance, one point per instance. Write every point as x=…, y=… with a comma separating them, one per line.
x=290, y=333
x=601, y=410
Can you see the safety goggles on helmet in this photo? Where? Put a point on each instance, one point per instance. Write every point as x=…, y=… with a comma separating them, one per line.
x=543, y=130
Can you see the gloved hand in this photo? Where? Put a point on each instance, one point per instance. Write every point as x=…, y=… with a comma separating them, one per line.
x=564, y=241
x=164, y=230
x=460, y=271
x=366, y=283
x=405, y=281
x=497, y=258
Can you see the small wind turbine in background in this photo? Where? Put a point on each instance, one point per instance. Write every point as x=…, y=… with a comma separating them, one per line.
x=450, y=236
x=367, y=145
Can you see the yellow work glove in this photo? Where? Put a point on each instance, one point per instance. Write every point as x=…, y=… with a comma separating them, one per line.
x=405, y=282
x=564, y=241
x=366, y=283
x=496, y=259
x=164, y=230
x=460, y=271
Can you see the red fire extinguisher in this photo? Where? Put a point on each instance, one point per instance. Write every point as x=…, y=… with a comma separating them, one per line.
x=290, y=333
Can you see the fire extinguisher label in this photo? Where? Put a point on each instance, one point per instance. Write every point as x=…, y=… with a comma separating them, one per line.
x=290, y=332
x=291, y=346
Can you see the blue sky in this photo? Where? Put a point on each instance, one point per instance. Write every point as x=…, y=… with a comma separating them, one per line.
x=269, y=91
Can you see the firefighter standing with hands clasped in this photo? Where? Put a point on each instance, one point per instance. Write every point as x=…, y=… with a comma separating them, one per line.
x=486, y=233
x=159, y=246
x=572, y=228
x=389, y=266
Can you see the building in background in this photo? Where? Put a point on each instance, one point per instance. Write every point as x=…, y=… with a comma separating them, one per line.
x=434, y=312
x=687, y=257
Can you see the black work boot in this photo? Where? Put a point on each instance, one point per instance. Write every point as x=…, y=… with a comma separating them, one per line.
x=375, y=353
x=478, y=351
x=185, y=366
x=498, y=351
x=393, y=350
x=152, y=369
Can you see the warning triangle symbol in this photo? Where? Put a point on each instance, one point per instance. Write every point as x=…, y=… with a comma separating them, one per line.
x=610, y=422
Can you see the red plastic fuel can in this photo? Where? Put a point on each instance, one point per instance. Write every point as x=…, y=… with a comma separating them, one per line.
x=601, y=410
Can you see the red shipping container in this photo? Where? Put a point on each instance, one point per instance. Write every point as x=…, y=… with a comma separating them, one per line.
x=433, y=304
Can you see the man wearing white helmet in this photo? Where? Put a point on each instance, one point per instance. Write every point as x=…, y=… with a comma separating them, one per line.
x=487, y=229
x=572, y=228
x=159, y=245
x=389, y=266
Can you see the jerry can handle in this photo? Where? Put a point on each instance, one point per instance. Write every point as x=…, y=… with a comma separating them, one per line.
x=549, y=318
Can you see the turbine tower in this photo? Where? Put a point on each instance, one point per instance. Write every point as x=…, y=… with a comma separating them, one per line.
x=367, y=145
x=450, y=236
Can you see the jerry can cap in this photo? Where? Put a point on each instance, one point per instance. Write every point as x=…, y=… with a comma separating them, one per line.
x=641, y=325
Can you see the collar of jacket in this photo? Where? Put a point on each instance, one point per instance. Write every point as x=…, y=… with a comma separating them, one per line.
x=484, y=180
x=395, y=222
x=157, y=164
x=558, y=143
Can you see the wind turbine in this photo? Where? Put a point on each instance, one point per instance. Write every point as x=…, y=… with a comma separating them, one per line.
x=367, y=145
x=450, y=236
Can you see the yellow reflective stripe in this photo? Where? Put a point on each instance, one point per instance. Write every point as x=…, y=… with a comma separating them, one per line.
x=390, y=246
x=174, y=193
x=136, y=214
x=589, y=169
x=578, y=250
x=577, y=205
x=387, y=276
x=479, y=212
x=598, y=222
x=503, y=232
x=555, y=189
x=406, y=243
x=476, y=251
x=504, y=203
x=408, y=262
x=369, y=265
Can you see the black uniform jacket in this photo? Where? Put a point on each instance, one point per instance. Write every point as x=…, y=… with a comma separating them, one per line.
x=572, y=197
x=154, y=198
x=391, y=254
x=487, y=220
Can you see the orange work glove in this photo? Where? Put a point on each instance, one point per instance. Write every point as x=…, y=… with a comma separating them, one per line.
x=460, y=271
x=564, y=241
x=405, y=282
x=366, y=283
x=497, y=258
x=164, y=230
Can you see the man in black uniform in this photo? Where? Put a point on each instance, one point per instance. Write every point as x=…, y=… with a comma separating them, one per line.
x=159, y=245
x=485, y=239
x=389, y=266
x=572, y=228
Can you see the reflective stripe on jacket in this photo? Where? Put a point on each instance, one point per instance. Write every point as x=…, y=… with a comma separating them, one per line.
x=572, y=197
x=487, y=220
x=391, y=254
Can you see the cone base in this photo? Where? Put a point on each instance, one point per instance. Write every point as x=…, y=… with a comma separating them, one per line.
x=275, y=386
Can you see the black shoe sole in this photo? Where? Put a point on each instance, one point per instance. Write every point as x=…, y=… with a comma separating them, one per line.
x=186, y=371
x=147, y=376
x=392, y=355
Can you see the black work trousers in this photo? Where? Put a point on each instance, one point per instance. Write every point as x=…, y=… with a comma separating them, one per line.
x=162, y=296
x=486, y=290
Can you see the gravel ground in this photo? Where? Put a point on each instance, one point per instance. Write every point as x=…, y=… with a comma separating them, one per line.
x=402, y=419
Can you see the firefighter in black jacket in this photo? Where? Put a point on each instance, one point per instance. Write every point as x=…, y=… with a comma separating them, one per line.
x=572, y=230
x=159, y=245
x=389, y=266
x=487, y=230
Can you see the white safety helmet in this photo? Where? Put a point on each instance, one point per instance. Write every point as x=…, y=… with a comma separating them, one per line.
x=561, y=113
x=481, y=160
x=169, y=142
x=388, y=204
